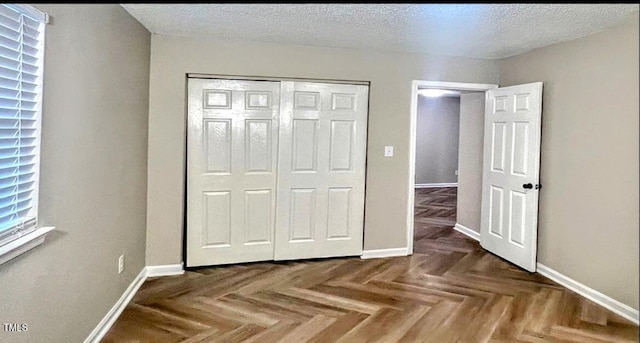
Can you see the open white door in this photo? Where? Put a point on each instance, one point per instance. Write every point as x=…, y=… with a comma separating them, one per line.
x=321, y=170
x=511, y=165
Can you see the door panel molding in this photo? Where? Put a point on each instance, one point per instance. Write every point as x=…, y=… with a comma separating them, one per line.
x=232, y=137
x=509, y=219
x=333, y=148
x=275, y=170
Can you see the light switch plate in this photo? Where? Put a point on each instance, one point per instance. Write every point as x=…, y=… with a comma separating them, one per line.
x=388, y=151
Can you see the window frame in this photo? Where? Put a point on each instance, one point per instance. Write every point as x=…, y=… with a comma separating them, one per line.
x=21, y=241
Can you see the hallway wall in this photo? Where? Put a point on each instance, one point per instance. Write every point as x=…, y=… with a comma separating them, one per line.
x=437, y=130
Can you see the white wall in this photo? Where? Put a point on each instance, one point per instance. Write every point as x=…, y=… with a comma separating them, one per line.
x=589, y=217
x=470, y=160
x=93, y=176
x=437, y=130
x=390, y=75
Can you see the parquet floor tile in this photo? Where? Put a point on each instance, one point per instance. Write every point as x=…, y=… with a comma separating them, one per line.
x=450, y=290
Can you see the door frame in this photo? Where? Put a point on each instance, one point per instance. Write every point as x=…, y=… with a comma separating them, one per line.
x=256, y=78
x=415, y=86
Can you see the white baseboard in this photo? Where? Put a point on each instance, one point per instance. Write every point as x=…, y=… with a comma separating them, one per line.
x=149, y=271
x=105, y=324
x=379, y=253
x=603, y=300
x=165, y=270
x=435, y=185
x=467, y=231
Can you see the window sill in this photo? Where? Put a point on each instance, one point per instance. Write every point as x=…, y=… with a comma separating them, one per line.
x=23, y=244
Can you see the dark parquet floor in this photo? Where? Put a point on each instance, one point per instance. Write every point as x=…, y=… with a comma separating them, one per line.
x=449, y=290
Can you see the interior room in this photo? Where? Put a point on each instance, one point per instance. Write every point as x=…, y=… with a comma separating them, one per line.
x=319, y=172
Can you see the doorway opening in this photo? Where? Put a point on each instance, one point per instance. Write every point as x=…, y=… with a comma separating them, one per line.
x=437, y=142
x=447, y=123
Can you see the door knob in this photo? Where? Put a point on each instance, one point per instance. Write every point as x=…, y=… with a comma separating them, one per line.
x=527, y=186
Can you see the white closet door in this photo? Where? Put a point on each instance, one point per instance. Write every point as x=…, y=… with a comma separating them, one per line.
x=231, y=170
x=321, y=170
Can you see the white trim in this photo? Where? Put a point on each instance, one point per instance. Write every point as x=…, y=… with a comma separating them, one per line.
x=26, y=234
x=603, y=300
x=379, y=253
x=415, y=84
x=459, y=86
x=413, y=118
x=165, y=270
x=467, y=231
x=110, y=318
x=23, y=244
x=105, y=324
x=436, y=185
x=276, y=79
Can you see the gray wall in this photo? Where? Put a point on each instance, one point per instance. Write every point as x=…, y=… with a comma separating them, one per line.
x=470, y=160
x=437, y=139
x=93, y=176
x=588, y=221
x=389, y=118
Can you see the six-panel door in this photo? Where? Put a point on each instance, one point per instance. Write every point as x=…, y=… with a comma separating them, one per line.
x=511, y=173
x=274, y=170
x=321, y=170
x=232, y=144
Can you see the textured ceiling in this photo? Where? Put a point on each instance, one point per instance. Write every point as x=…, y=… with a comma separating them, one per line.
x=471, y=30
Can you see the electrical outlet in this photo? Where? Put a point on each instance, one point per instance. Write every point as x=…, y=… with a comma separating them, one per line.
x=388, y=151
x=456, y=172
x=121, y=264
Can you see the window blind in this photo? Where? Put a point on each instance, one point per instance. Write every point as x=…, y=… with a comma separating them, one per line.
x=21, y=62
